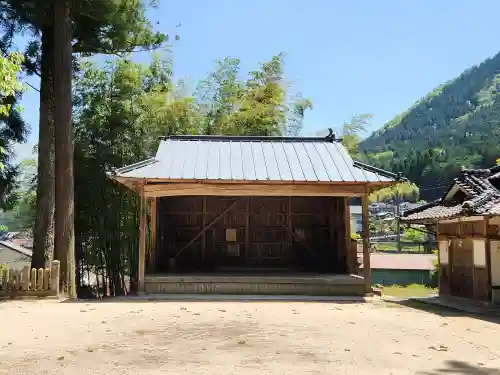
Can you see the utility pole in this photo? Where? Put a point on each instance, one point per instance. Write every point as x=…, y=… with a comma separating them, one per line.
x=398, y=225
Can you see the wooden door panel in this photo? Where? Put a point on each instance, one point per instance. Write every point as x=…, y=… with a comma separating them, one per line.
x=462, y=273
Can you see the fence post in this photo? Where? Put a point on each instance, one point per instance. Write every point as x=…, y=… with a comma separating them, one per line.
x=54, y=276
x=33, y=279
x=39, y=279
x=6, y=278
x=46, y=279
x=25, y=278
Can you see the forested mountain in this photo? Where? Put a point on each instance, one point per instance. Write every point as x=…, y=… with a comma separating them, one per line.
x=456, y=125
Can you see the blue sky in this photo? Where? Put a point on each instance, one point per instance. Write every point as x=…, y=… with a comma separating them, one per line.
x=348, y=57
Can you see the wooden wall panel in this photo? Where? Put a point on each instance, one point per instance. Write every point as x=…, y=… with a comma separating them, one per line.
x=269, y=232
x=471, y=228
x=462, y=276
x=450, y=229
x=444, y=279
x=481, y=290
x=295, y=232
x=230, y=227
x=494, y=249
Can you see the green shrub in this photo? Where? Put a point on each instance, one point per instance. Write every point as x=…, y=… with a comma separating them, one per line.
x=435, y=274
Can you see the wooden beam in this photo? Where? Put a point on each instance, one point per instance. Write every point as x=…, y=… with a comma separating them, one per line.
x=142, y=240
x=367, y=271
x=153, y=234
x=221, y=215
x=255, y=189
x=347, y=239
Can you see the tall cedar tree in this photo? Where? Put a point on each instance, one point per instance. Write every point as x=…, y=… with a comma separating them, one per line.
x=64, y=242
x=43, y=240
x=112, y=26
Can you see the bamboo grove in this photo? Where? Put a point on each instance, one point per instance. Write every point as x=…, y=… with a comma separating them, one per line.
x=120, y=111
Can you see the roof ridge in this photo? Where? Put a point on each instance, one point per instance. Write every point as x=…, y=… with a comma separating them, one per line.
x=251, y=138
x=495, y=169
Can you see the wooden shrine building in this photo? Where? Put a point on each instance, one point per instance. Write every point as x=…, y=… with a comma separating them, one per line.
x=467, y=219
x=250, y=215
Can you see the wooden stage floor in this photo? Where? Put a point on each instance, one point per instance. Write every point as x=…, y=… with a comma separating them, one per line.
x=256, y=283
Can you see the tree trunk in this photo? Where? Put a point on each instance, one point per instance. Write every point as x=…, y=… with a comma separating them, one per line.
x=64, y=150
x=43, y=241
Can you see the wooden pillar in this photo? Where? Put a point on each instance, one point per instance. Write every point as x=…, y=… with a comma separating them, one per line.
x=487, y=244
x=247, y=231
x=440, y=266
x=153, y=234
x=347, y=241
x=290, y=224
x=204, y=224
x=142, y=240
x=332, y=233
x=367, y=272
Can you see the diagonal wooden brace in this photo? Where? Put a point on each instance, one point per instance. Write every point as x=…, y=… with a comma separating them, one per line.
x=203, y=231
x=297, y=238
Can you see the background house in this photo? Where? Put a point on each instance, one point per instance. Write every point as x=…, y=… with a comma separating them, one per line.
x=468, y=233
x=378, y=211
x=14, y=256
x=356, y=218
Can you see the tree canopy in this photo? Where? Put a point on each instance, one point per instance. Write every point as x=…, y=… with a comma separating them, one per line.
x=10, y=66
x=13, y=129
x=406, y=191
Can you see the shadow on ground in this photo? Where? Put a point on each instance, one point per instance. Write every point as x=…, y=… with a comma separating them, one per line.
x=445, y=311
x=462, y=368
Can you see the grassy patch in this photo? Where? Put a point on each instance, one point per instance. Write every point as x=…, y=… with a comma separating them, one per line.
x=412, y=290
x=392, y=246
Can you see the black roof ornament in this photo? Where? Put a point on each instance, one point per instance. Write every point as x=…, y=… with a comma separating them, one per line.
x=332, y=137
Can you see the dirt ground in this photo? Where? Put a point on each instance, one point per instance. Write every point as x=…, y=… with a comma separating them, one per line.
x=242, y=338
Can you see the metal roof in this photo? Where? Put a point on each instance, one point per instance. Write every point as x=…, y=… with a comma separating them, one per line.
x=254, y=159
x=13, y=246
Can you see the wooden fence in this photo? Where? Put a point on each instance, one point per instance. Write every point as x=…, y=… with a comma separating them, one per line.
x=30, y=282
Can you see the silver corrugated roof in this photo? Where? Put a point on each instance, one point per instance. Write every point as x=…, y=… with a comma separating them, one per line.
x=253, y=159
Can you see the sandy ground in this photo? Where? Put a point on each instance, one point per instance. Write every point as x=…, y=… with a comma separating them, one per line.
x=242, y=338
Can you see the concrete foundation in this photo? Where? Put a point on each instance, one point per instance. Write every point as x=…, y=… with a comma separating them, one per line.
x=297, y=284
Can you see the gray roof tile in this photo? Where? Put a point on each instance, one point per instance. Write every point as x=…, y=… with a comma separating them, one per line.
x=254, y=158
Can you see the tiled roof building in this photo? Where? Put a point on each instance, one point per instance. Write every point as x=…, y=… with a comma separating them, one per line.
x=467, y=219
x=475, y=192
